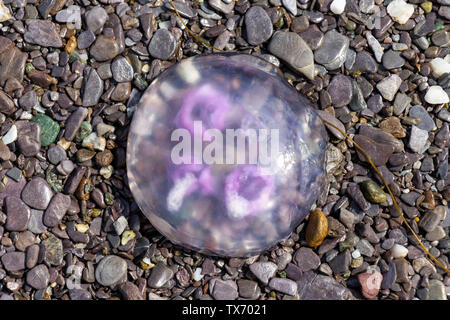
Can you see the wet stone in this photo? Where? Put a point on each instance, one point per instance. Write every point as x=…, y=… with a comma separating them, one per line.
x=32, y=256
x=38, y=277
x=6, y=103
x=333, y=52
x=18, y=214
x=104, y=48
x=358, y=102
x=401, y=102
x=159, y=276
x=43, y=33
x=121, y=69
x=37, y=194
x=162, y=45
x=28, y=100
x=248, y=289
x=258, y=25
x=373, y=192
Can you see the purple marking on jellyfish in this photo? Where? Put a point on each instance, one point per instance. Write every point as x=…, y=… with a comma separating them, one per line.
x=248, y=190
x=204, y=104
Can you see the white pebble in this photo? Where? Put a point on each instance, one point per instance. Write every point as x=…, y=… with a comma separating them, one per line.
x=400, y=11
x=436, y=95
x=356, y=254
x=26, y=116
x=5, y=15
x=198, y=274
x=338, y=6
x=399, y=251
x=440, y=66
x=11, y=135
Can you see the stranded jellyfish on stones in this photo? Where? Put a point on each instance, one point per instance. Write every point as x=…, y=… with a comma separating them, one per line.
x=224, y=156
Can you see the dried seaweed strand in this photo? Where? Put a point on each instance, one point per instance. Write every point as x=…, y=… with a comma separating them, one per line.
x=197, y=38
x=390, y=193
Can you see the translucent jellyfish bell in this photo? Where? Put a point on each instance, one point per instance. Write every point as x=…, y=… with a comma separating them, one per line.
x=224, y=156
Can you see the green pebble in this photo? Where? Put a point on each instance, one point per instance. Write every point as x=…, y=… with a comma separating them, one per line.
x=350, y=26
x=84, y=131
x=438, y=26
x=109, y=199
x=350, y=241
x=139, y=82
x=29, y=67
x=49, y=129
x=372, y=191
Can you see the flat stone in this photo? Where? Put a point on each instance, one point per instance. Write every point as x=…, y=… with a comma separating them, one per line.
x=417, y=139
x=437, y=290
x=24, y=240
x=13, y=261
x=37, y=193
x=286, y=286
x=160, y=275
x=393, y=60
x=365, y=248
x=111, y=270
x=79, y=294
x=36, y=223
x=223, y=289
x=104, y=48
x=437, y=234
x=426, y=122
x=93, y=88
x=15, y=174
x=333, y=52
x=28, y=100
x=341, y=263
x=389, y=277
x=340, y=90
x=333, y=120
x=358, y=102
x=49, y=129
x=378, y=152
x=12, y=65
x=85, y=39
x=43, y=33
x=248, y=289
x=183, y=8
x=221, y=6
x=258, y=25
x=312, y=286
x=162, y=45
x=38, y=277
x=29, y=137
x=312, y=36
x=56, y=210
x=56, y=154
x=306, y=259
x=294, y=51
x=95, y=19
x=365, y=63
x=370, y=282
x=73, y=123
x=6, y=103
x=71, y=15
x=393, y=126
x=32, y=256
x=389, y=86
x=18, y=214
x=375, y=46
x=122, y=70
x=436, y=95
x=53, y=251
x=401, y=102
x=130, y=291
x=264, y=271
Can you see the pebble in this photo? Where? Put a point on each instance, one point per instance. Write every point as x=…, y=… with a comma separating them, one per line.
x=340, y=90
x=294, y=51
x=341, y=263
x=5, y=14
x=248, y=289
x=43, y=33
x=223, y=289
x=328, y=117
x=53, y=251
x=400, y=11
x=37, y=194
x=436, y=95
x=121, y=69
x=93, y=89
x=160, y=275
x=312, y=286
x=56, y=210
x=104, y=48
x=426, y=122
x=264, y=271
x=317, y=228
x=258, y=25
x=38, y=277
x=437, y=290
x=365, y=248
x=130, y=291
x=286, y=286
x=439, y=66
x=313, y=37
x=162, y=45
x=306, y=259
x=333, y=52
x=95, y=19
x=370, y=282
x=378, y=152
x=375, y=46
x=56, y=154
x=85, y=39
x=73, y=123
x=221, y=6
x=18, y=214
x=13, y=261
x=32, y=256
x=393, y=126
x=338, y=6
x=36, y=222
x=11, y=135
x=70, y=15
x=417, y=139
x=372, y=191
x=399, y=251
x=49, y=129
x=389, y=86
x=111, y=270
x=393, y=60
x=6, y=103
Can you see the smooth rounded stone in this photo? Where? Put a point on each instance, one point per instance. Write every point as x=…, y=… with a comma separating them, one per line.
x=49, y=129
x=393, y=60
x=389, y=86
x=399, y=251
x=18, y=214
x=6, y=103
x=313, y=37
x=104, y=48
x=36, y=222
x=370, y=282
x=85, y=39
x=160, y=275
x=79, y=294
x=365, y=248
x=223, y=289
x=37, y=193
x=56, y=210
x=264, y=215
x=56, y=154
x=24, y=240
x=306, y=259
x=294, y=51
x=70, y=15
x=400, y=11
x=358, y=102
x=440, y=38
x=43, y=33
x=183, y=8
x=13, y=261
x=95, y=19
x=162, y=45
x=32, y=256
x=338, y=6
x=111, y=270
x=258, y=25
x=334, y=121
x=28, y=100
x=73, y=123
x=285, y=286
x=436, y=95
x=28, y=138
x=53, y=251
x=439, y=66
x=121, y=92
x=372, y=191
x=401, y=102
x=333, y=52
x=5, y=14
x=248, y=289
x=364, y=62
x=93, y=88
x=317, y=228
x=437, y=290
x=38, y=277
x=221, y=6
x=426, y=122
x=122, y=70
x=264, y=271
x=417, y=139
x=437, y=234
x=340, y=90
